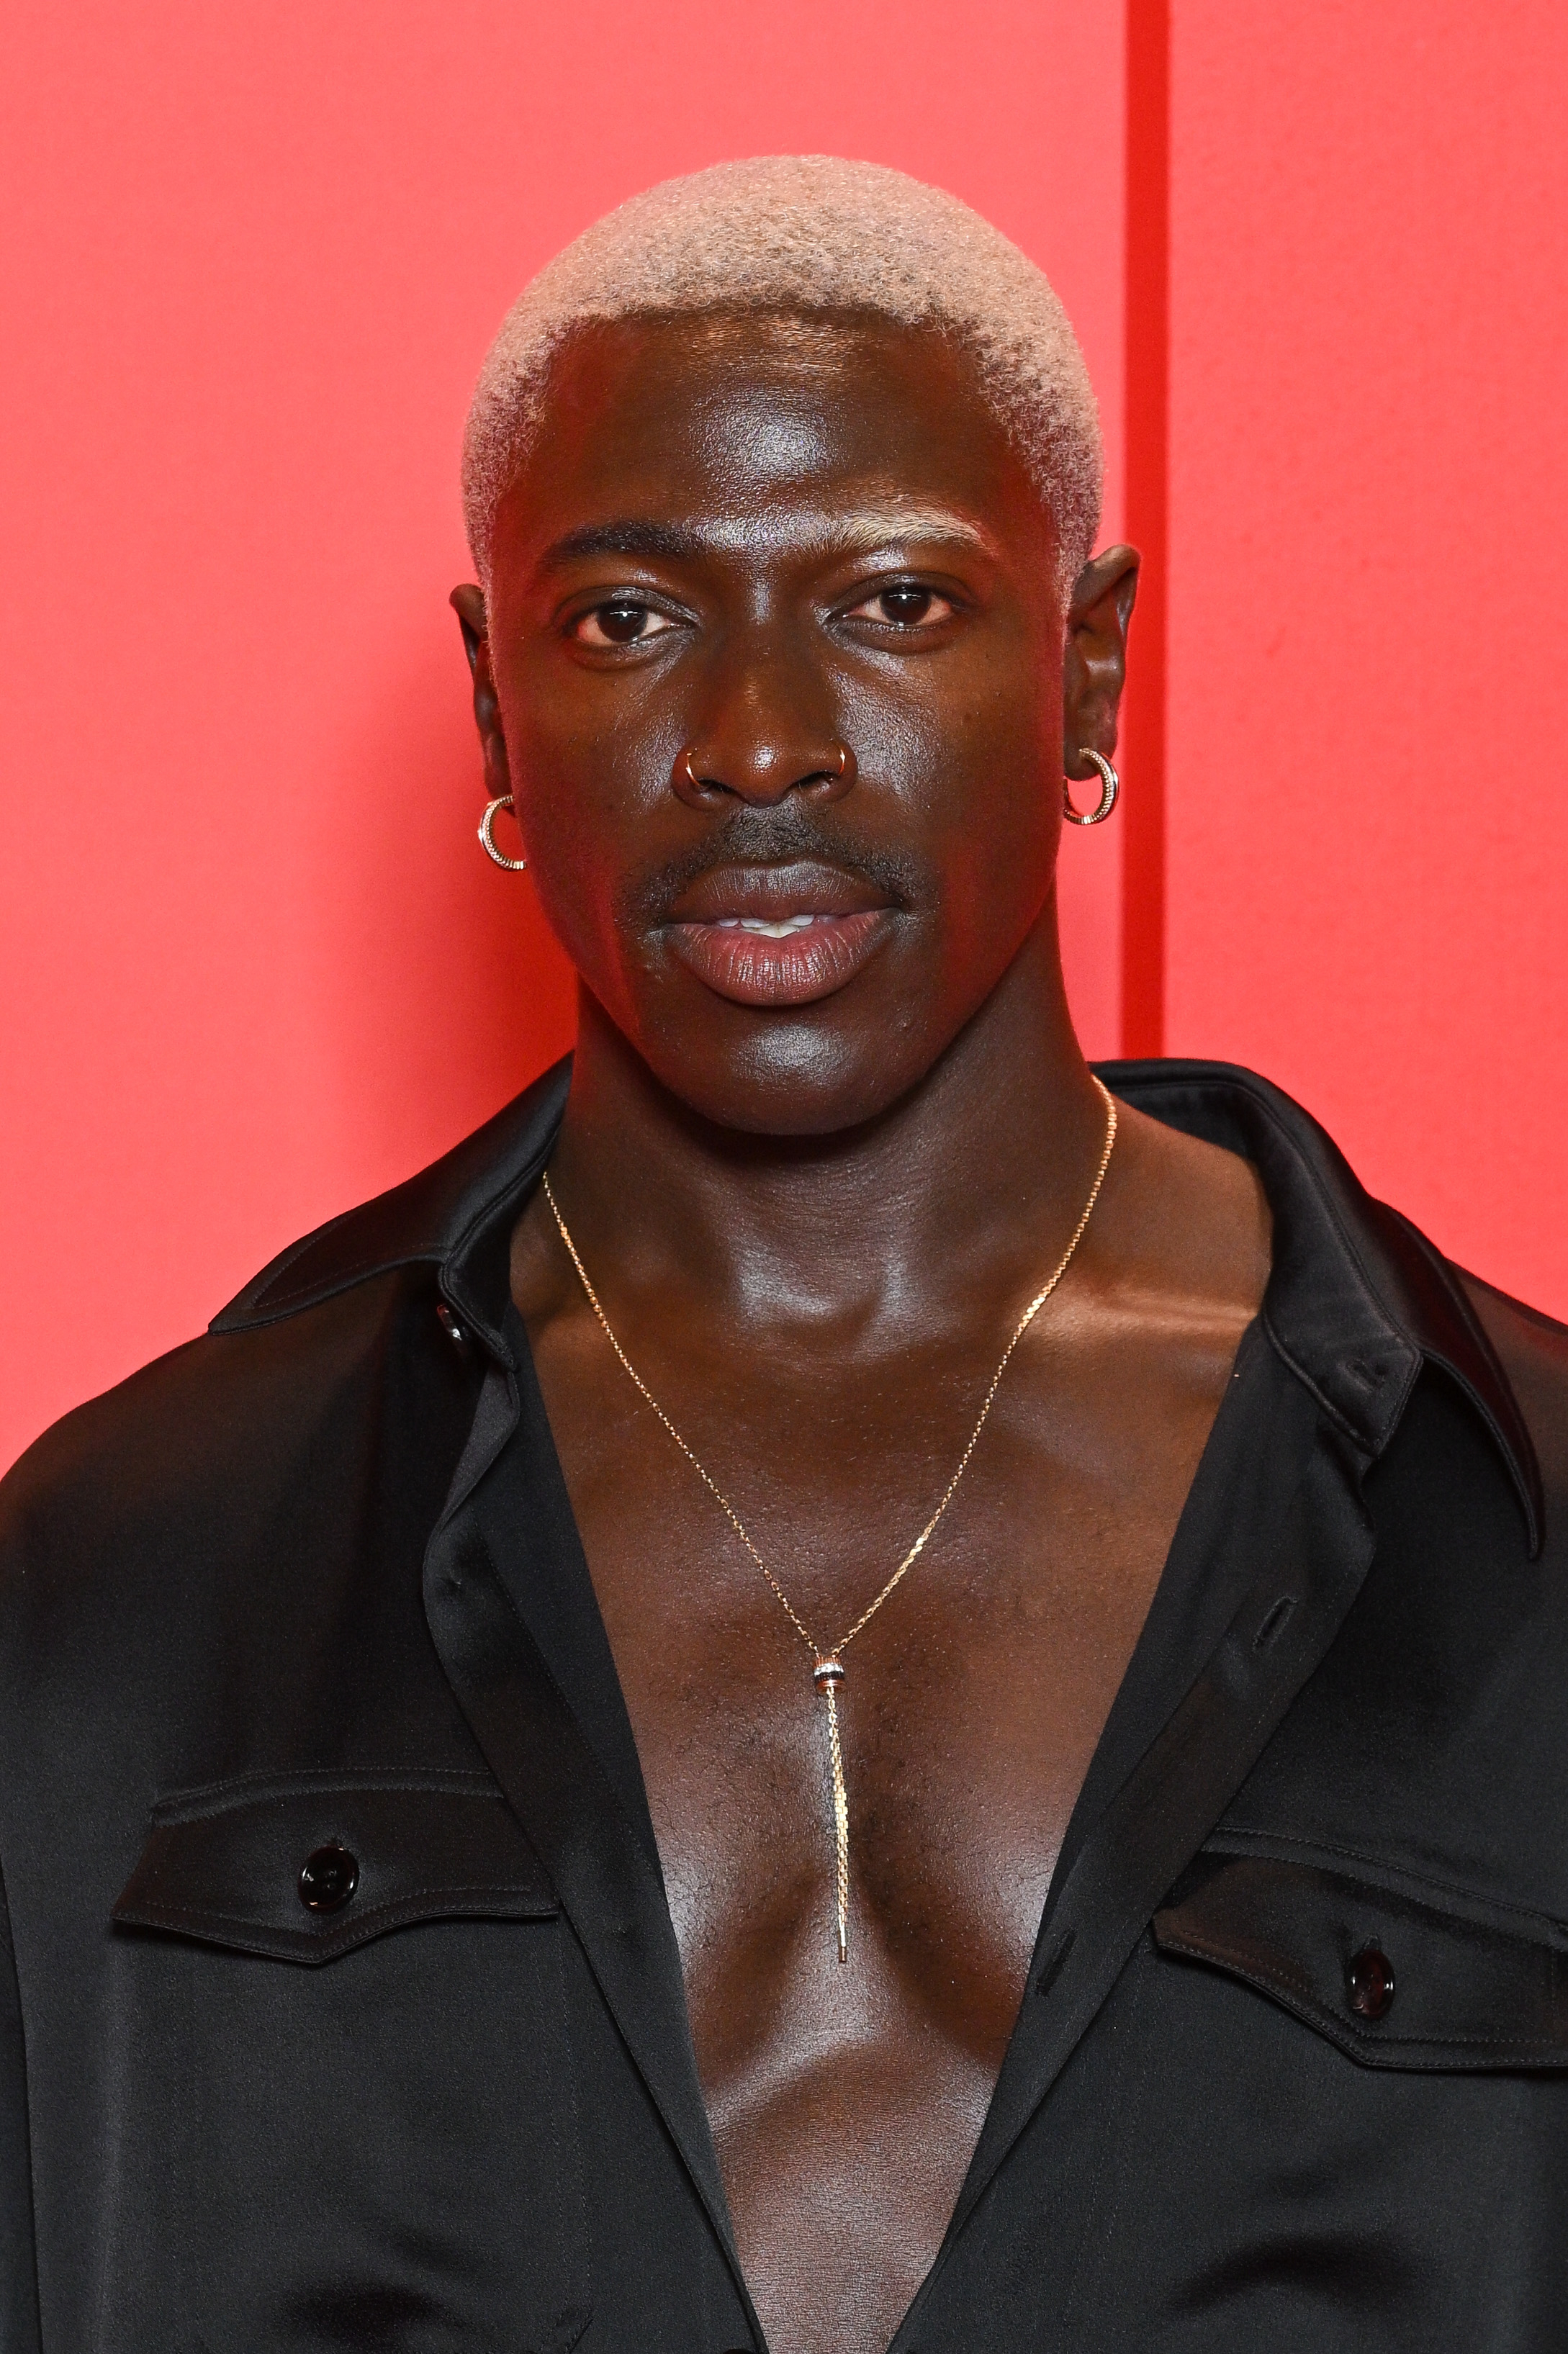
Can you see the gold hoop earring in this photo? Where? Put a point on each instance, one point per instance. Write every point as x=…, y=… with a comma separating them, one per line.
x=1110, y=785
x=487, y=840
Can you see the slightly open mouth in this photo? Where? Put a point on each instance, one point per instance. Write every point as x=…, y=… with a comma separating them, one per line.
x=786, y=960
x=766, y=926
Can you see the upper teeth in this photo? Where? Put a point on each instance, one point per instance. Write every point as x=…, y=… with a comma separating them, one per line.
x=779, y=931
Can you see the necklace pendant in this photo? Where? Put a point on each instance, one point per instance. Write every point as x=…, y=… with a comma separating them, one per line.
x=827, y=1674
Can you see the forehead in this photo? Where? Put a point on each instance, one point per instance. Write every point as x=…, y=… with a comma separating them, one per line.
x=708, y=415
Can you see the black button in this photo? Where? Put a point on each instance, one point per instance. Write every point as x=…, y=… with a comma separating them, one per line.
x=329, y=1879
x=449, y=1325
x=1370, y=1982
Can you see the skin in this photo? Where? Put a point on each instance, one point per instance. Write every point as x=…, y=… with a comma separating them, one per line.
x=814, y=1220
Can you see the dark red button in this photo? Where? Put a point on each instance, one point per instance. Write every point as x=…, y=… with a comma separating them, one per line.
x=329, y=1879
x=1370, y=1982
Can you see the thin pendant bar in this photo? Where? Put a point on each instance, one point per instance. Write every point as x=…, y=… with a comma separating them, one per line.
x=827, y=1668
x=827, y=1675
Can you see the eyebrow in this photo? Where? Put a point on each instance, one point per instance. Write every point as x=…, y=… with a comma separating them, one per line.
x=626, y=538
x=857, y=534
x=875, y=527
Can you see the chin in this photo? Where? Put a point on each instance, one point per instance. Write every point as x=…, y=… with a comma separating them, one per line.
x=788, y=1078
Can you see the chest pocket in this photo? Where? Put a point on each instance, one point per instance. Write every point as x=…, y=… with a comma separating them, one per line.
x=349, y=2106
x=1393, y=1981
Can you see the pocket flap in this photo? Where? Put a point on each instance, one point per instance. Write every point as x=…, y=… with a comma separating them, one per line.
x=1394, y=1982
x=305, y=1867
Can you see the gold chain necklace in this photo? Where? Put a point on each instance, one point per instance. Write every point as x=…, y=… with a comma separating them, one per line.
x=828, y=1665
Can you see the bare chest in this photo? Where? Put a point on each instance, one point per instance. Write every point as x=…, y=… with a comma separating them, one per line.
x=971, y=1702
x=846, y=2098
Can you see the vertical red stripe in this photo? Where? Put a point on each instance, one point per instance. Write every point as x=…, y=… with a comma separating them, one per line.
x=1147, y=370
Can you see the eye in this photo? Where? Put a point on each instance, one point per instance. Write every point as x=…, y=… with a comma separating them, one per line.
x=623, y=621
x=904, y=605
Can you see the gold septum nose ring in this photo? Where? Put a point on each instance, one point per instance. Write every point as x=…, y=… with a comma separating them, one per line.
x=1110, y=785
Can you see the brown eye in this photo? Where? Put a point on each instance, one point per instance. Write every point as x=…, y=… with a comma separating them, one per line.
x=905, y=604
x=621, y=623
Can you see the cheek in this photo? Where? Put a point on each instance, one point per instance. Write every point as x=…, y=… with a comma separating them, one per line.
x=976, y=770
x=573, y=828
x=577, y=857
x=589, y=795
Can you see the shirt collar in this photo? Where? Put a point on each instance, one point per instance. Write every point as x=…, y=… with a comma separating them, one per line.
x=1358, y=1302
x=456, y=1215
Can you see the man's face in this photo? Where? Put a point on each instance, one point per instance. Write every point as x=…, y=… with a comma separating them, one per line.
x=754, y=541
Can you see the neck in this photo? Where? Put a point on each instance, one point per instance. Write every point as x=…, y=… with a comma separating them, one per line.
x=972, y=1178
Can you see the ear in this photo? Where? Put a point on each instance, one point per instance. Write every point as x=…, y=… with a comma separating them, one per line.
x=468, y=603
x=1095, y=663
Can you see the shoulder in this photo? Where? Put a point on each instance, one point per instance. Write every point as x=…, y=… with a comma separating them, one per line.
x=295, y=1375
x=169, y=1463
x=196, y=1565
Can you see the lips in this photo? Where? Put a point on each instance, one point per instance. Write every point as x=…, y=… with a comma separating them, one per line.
x=778, y=935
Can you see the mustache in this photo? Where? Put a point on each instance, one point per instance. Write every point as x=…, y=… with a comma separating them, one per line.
x=776, y=837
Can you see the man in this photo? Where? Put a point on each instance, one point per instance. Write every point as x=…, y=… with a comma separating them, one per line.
x=833, y=1689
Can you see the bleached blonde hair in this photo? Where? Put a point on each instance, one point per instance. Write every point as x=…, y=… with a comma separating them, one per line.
x=806, y=234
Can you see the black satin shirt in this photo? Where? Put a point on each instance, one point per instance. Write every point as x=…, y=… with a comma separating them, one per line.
x=300, y=1612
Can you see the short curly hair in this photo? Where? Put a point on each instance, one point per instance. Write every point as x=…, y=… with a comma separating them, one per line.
x=806, y=234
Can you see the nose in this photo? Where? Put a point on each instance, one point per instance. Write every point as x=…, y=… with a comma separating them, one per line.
x=826, y=775
x=764, y=732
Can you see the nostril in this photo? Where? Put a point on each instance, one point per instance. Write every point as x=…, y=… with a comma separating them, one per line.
x=840, y=770
x=762, y=775
x=689, y=783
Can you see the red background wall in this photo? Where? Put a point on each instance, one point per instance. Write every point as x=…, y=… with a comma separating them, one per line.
x=1367, y=686
x=253, y=964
